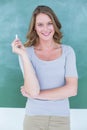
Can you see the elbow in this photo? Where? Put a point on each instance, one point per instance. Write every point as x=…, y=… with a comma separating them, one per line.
x=74, y=93
x=72, y=85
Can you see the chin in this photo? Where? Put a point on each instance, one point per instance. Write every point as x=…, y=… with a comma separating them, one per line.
x=46, y=38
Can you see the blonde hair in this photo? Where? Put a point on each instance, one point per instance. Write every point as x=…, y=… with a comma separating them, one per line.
x=32, y=37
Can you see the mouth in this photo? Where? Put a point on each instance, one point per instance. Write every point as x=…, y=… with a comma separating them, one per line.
x=46, y=34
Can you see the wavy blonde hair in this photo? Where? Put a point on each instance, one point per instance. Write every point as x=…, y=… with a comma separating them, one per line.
x=32, y=37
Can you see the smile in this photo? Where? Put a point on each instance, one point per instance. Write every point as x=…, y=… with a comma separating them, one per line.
x=46, y=34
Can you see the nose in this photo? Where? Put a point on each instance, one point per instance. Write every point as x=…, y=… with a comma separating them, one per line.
x=45, y=28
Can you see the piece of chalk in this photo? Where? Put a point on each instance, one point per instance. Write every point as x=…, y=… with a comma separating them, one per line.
x=16, y=36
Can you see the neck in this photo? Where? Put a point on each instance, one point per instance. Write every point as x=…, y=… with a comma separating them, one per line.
x=45, y=45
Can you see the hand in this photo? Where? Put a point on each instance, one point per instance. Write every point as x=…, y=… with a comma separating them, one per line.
x=18, y=47
x=23, y=92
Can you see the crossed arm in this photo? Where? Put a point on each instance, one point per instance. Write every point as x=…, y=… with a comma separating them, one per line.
x=31, y=86
x=68, y=90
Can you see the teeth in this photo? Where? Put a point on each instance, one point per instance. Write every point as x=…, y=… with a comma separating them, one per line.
x=46, y=34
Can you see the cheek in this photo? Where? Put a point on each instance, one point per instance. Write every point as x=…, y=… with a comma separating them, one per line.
x=38, y=29
x=52, y=28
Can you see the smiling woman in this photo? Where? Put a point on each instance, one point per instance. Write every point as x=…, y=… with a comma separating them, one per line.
x=51, y=19
x=49, y=70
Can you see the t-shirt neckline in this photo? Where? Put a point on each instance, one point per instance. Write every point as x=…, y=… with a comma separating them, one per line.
x=49, y=61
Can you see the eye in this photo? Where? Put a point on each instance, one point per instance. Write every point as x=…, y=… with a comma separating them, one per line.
x=50, y=23
x=40, y=24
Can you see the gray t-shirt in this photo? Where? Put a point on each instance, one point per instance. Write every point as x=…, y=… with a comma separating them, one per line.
x=51, y=74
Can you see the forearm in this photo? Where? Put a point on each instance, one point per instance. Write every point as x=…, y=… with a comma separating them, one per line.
x=31, y=83
x=57, y=93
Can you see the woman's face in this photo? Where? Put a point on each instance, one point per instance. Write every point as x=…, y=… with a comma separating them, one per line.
x=44, y=27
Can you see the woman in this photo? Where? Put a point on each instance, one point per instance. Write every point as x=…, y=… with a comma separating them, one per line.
x=50, y=75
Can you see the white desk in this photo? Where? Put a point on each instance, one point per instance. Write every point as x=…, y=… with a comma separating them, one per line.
x=12, y=119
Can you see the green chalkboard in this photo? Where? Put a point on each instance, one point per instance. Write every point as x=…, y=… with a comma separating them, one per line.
x=14, y=19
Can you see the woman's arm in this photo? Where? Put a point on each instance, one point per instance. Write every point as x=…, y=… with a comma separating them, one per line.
x=31, y=84
x=59, y=93
x=68, y=90
x=30, y=80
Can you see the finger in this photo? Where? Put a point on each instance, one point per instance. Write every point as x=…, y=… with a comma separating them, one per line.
x=22, y=89
x=24, y=94
x=21, y=86
x=15, y=42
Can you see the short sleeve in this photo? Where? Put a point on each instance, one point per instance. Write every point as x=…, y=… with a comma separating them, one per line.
x=70, y=63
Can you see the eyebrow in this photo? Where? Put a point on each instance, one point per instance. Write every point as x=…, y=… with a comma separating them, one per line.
x=41, y=22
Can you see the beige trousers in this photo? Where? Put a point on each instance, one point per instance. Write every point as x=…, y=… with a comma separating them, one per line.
x=46, y=123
